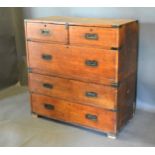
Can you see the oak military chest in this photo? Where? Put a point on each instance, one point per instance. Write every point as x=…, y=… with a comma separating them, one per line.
x=83, y=70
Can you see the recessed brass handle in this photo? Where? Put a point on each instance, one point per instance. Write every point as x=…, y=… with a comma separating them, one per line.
x=48, y=85
x=45, y=32
x=91, y=117
x=92, y=63
x=49, y=106
x=91, y=94
x=91, y=36
x=46, y=56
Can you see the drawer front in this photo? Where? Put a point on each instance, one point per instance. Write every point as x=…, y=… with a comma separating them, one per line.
x=87, y=64
x=87, y=116
x=46, y=32
x=71, y=90
x=104, y=37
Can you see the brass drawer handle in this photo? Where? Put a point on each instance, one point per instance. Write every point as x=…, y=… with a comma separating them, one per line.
x=47, y=85
x=92, y=63
x=91, y=94
x=46, y=56
x=49, y=106
x=45, y=32
x=91, y=117
x=91, y=36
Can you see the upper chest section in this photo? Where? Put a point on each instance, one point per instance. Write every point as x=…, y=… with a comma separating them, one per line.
x=104, y=33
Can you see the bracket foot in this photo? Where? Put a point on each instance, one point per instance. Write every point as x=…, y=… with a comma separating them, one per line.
x=34, y=115
x=111, y=136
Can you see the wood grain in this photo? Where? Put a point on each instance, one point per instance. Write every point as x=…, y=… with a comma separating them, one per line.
x=74, y=113
x=127, y=58
x=74, y=65
x=56, y=33
x=106, y=37
x=126, y=100
x=70, y=62
x=74, y=91
x=78, y=21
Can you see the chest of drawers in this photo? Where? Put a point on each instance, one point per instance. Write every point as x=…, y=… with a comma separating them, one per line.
x=83, y=70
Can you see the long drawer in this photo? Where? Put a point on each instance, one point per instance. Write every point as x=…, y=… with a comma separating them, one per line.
x=75, y=113
x=87, y=64
x=71, y=90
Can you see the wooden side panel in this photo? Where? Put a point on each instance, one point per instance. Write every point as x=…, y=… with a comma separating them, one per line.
x=47, y=32
x=94, y=36
x=75, y=91
x=128, y=53
x=73, y=62
x=87, y=116
x=126, y=100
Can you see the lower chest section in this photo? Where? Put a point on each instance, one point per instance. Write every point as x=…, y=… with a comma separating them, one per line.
x=87, y=116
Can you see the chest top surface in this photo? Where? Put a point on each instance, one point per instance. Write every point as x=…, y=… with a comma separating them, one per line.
x=101, y=22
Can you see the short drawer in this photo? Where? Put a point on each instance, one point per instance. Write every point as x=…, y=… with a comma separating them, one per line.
x=75, y=91
x=46, y=32
x=75, y=113
x=94, y=36
x=82, y=63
